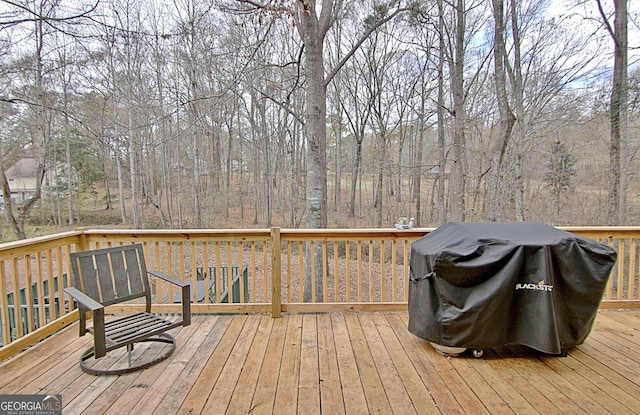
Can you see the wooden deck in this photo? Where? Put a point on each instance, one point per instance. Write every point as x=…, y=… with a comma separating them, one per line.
x=360, y=363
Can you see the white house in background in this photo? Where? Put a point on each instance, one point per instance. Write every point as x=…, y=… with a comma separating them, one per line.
x=22, y=178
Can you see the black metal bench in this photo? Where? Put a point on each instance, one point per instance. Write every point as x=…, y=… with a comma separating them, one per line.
x=109, y=276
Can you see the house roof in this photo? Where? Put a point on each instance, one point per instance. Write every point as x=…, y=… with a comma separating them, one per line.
x=25, y=167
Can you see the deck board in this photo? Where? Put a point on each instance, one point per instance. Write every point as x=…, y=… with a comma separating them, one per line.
x=330, y=390
x=309, y=380
x=352, y=390
x=418, y=352
x=287, y=389
x=240, y=402
x=338, y=363
x=374, y=391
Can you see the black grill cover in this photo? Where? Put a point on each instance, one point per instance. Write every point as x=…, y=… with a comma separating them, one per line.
x=482, y=285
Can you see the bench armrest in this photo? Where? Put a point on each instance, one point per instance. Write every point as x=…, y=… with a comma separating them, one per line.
x=186, y=294
x=167, y=278
x=84, y=300
x=97, y=311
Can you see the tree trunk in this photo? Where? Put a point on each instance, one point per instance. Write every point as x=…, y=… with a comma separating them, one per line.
x=316, y=135
x=417, y=170
x=442, y=206
x=618, y=109
x=40, y=140
x=507, y=119
x=382, y=160
x=313, y=29
x=518, y=98
x=459, y=168
x=354, y=177
x=338, y=179
x=267, y=182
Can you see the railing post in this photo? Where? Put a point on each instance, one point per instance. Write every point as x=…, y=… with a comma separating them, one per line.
x=276, y=261
x=83, y=241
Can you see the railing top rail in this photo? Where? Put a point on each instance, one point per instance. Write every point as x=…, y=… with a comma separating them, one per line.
x=9, y=249
x=604, y=231
x=40, y=239
x=340, y=234
x=182, y=234
x=176, y=232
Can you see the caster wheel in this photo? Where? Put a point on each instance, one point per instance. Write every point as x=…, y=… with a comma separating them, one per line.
x=478, y=353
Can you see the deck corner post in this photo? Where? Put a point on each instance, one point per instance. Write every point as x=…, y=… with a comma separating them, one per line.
x=83, y=240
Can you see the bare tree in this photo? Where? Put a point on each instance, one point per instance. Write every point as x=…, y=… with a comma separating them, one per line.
x=357, y=109
x=456, y=61
x=515, y=74
x=618, y=111
x=507, y=118
x=40, y=105
x=313, y=19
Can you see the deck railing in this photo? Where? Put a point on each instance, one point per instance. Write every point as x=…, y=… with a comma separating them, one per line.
x=248, y=271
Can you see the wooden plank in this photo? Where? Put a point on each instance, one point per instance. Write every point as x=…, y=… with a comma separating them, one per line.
x=418, y=350
x=621, y=260
x=455, y=383
x=194, y=368
x=627, y=322
x=73, y=384
x=246, y=386
x=525, y=360
x=622, y=345
x=276, y=283
x=102, y=389
x=607, y=394
x=352, y=390
x=343, y=307
x=409, y=377
x=336, y=273
x=619, y=305
x=220, y=397
x=372, y=385
x=65, y=362
x=4, y=310
x=86, y=391
x=309, y=383
x=611, y=357
x=620, y=336
x=149, y=393
x=510, y=386
x=330, y=387
x=630, y=319
x=605, y=372
x=21, y=367
x=466, y=368
x=105, y=393
x=75, y=402
x=576, y=391
x=197, y=397
x=632, y=270
x=264, y=396
x=17, y=301
x=287, y=392
x=337, y=355
x=391, y=381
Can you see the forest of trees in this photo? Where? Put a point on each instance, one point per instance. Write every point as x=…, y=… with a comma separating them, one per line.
x=310, y=113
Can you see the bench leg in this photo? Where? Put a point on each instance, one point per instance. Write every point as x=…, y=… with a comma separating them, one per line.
x=160, y=338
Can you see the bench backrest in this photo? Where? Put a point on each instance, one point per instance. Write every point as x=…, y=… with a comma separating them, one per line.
x=112, y=275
